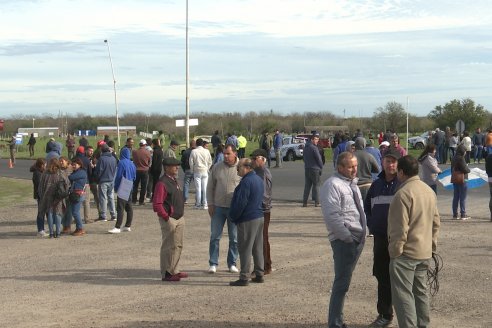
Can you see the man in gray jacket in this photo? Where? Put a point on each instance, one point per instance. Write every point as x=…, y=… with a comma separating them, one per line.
x=345, y=221
x=366, y=165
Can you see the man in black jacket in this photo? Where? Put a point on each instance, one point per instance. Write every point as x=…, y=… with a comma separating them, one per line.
x=376, y=207
x=156, y=166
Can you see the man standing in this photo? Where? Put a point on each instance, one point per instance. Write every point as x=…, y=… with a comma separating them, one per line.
x=200, y=163
x=366, y=165
x=31, y=143
x=345, y=221
x=169, y=206
x=246, y=212
x=223, y=180
x=215, y=141
x=478, y=141
x=89, y=153
x=171, y=150
x=258, y=160
x=188, y=173
x=241, y=142
x=395, y=144
x=265, y=143
x=376, y=207
x=141, y=158
x=12, y=145
x=105, y=173
x=413, y=226
x=313, y=167
x=156, y=166
x=87, y=167
x=70, y=144
x=277, y=146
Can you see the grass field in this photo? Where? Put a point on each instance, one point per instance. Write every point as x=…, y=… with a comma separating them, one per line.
x=14, y=191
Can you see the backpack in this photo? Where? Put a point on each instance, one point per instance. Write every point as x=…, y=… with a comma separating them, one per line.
x=62, y=190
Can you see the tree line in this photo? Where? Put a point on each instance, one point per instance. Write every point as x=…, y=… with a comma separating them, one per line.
x=392, y=116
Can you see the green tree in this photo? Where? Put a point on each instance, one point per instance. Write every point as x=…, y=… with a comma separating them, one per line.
x=392, y=116
x=465, y=110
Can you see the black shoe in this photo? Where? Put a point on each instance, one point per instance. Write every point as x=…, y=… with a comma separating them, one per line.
x=258, y=279
x=239, y=282
x=304, y=205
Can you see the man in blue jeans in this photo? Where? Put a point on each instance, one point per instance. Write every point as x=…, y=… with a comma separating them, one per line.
x=341, y=203
x=222, y=181
x=105, y=173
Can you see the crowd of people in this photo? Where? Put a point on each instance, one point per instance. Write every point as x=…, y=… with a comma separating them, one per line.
x=374, y=192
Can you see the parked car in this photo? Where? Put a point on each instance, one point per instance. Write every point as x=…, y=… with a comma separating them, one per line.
x=292, y=148
x=324, y=140
x=420, y=141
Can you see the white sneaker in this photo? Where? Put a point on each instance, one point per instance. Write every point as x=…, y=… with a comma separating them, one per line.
x=233, y=269
x=465, y=218
x=114, y=230
x=212, y=269
x=205, y=207
x=42, y=233
x=126, y=229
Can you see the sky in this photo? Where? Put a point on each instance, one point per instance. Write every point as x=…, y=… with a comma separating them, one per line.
x=289, y=56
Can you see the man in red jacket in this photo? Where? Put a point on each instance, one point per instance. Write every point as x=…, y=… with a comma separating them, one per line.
x=169, y=205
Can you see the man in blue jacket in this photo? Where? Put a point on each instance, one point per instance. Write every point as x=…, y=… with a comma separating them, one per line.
x=247, y=213
x=126, y=170
x=376, y=207
x=105, y=172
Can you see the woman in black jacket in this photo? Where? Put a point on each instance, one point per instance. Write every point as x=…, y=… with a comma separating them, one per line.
x=37, y=170
x=458, y=164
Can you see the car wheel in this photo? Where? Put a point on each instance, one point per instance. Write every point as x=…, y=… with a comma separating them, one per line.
x=290, y=156
x=419, y=145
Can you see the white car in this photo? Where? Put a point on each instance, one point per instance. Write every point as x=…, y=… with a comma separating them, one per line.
x=420, y=141
x=292, y=148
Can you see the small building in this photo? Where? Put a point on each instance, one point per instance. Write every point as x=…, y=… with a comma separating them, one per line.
x=40, y=132
x=126, y=130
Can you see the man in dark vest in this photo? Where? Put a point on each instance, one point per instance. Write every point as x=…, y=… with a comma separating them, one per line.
x=169, y=205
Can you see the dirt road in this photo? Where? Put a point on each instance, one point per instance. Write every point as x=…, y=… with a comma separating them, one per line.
x=103, y=280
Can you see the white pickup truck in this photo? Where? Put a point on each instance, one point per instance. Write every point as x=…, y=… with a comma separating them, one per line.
x=292, y=148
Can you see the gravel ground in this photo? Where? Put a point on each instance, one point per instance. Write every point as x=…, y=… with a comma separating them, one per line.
x=103, y=280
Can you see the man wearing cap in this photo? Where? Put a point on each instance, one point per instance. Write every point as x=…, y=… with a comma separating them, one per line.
x=376, y=207
x=171, y=150
x=259, y=160
x=345, y=221
x=246, y=212
x=142, y=160
x=169, y=205
x=313, y=166
x=105, y=173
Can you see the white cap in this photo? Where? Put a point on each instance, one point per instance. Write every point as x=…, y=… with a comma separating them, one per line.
x=384, y=143
x=143, y=142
